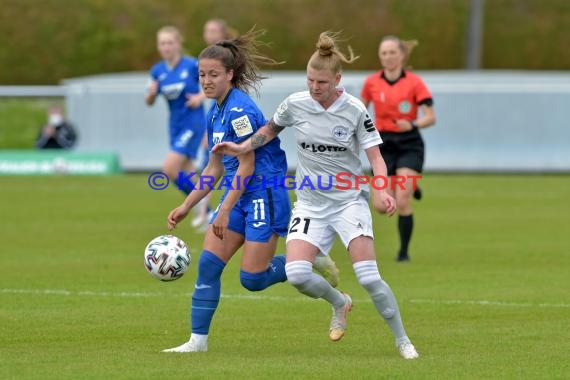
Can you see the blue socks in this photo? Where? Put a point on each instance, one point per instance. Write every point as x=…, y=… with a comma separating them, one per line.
x=206, y=292
x=186, y=186
x=261, y=280
x=208, y=287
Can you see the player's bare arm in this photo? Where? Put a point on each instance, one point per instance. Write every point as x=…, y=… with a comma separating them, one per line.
x=428, y=118
x=151, y=94
x=381, y=199
x=263, y=136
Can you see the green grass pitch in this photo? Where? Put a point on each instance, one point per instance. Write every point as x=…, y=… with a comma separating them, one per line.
x=486, y=296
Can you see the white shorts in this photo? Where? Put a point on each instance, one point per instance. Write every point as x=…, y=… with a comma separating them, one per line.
x=349, y=222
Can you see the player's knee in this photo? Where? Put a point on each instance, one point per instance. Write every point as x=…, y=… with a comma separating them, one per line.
x=254, y=282
x=298, y=272
x=404, y=202
x=170, y=171
x=210, y=267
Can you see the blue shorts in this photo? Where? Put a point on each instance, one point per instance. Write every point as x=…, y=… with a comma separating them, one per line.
x=260, y=213
x=186, y=142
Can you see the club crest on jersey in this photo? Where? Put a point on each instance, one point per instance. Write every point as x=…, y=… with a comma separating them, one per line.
x=184, y=74
x=404, y=106
x=217, y=137
x=242, y=126
x=340, y=133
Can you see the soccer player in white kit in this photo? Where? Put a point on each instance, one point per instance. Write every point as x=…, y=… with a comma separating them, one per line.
x=331, y=127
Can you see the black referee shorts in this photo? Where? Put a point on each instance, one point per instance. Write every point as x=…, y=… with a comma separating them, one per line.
x=402, y=150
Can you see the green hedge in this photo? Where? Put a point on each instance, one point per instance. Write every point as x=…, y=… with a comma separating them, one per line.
x=44, y=41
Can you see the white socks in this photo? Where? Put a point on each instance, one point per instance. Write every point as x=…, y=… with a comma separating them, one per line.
x=300, y=274
x=382, y=296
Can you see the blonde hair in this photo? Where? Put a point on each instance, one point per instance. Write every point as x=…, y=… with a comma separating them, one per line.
x=171, y=30
x=405, y=47
x=328, y=56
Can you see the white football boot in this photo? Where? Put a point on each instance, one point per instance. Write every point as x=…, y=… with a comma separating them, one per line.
x=408, y=351
x=338, y=321
x=195, y=344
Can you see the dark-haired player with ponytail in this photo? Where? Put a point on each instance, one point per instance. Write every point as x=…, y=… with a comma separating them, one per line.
x=254, y=218
x=251, y=214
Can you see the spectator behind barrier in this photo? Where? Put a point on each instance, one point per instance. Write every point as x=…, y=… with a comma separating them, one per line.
x=57, y=133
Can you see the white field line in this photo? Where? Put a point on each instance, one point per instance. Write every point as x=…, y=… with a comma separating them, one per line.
x=87, y=293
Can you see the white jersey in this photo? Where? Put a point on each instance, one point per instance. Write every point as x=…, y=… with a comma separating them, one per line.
x=328, y=148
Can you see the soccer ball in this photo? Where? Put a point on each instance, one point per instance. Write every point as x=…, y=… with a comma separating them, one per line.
x=166, y=258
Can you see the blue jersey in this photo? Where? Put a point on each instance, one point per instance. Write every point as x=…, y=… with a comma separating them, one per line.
x=175, y=83
x=236, y=120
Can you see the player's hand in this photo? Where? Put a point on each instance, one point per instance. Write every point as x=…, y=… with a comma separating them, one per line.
x=389, y=202
x=404, y=125
x=220, y=224
x=151, y=93
x=193, y=100
x=177, y=215
x=228, y=149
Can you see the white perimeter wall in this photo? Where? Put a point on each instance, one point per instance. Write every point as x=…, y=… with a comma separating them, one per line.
x=486, y=121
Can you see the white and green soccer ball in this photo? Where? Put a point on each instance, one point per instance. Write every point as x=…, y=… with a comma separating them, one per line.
x=167, y=258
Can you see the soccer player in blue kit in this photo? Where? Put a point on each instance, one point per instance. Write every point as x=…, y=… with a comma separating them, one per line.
x=176, y=78
x=252, y=216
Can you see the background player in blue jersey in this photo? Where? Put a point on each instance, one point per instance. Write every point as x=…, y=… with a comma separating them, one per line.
x=176, y=78
x=252, y=217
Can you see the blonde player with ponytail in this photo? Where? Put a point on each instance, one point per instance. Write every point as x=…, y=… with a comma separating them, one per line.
x=331, y=127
